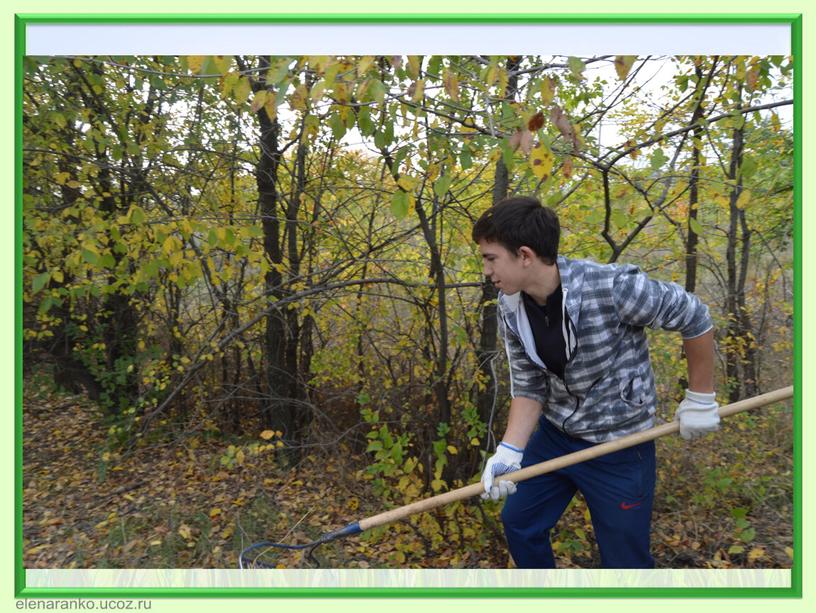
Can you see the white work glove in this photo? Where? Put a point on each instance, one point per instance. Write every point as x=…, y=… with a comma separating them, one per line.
x=698, y=414
x=506, y=459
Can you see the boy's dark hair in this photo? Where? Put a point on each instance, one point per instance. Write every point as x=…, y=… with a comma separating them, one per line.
x=520, y=221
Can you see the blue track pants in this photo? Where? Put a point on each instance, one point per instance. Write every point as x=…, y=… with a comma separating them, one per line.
x=618, y=489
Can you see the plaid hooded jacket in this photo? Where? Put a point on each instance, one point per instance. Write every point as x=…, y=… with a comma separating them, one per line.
x=608, y=390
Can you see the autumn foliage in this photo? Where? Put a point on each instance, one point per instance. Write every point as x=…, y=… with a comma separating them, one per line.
x=252, y=309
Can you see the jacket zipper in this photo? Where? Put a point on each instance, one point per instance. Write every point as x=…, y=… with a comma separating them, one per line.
x=565, y=330
x=566, y=323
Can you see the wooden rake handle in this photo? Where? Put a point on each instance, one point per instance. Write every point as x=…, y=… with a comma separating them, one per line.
x=595, y=451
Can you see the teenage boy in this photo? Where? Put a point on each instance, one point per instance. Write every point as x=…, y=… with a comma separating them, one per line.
x=580, y=371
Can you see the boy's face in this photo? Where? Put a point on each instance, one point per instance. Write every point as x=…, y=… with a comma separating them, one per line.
x=507, y=271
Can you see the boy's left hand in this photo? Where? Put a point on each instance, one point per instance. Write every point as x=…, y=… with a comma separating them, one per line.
x=698, y=414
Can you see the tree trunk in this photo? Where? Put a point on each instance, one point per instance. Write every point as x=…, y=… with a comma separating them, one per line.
x=488, y=347
x=694, y=180
x=739, y=341
x=487, y=396
x=279, y=412
x=745, y=326
x=118, y=319
x=295, y=329
x=437, y=272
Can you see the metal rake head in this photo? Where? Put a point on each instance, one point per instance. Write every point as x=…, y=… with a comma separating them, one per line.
x=247, y=561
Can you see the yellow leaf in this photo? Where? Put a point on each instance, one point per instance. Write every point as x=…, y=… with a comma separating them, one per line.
x=492, y=74
x=227, y=532
x=242, y=90
x=267, y=434
x=501, y=87
x=623, y=63
x=57, y=276
x=169, y=245
x=185, y=532
x=789, y=551
x=341, y=92
x=541, y=161
x=414, y=64
x=407, y=183
x=228, y=82
x=195, y=62
x=752, y=77
x=299, y=97
x=157, y=542
x=755, y=554
x=186, y=228
x=452, y=450
x=36, y=549
x=743, y=199
x=271, y=106
x=451, y=82
x=547, y=90
x=318, y=90
x=740, y=67
x=259, y=100
x=474, y=441
x=319, y=62
x=365, y=63
x=222, y=62
x=215, y=512
x=239, y=457
x=418, y=90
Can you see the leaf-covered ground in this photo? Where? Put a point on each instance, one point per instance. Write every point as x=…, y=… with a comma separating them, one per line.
x=191, y=501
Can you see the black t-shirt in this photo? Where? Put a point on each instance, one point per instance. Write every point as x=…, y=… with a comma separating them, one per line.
x=545, y=322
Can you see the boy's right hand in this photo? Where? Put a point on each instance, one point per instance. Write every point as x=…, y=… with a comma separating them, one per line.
x=506, y=459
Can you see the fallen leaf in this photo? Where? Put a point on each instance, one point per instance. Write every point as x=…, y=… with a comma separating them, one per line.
x=526, y=142
x=536, y=122
x=541, y=161
x=623, y=64
x=515, y=140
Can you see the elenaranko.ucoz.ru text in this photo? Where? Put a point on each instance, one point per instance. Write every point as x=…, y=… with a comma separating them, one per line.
x=83, y=604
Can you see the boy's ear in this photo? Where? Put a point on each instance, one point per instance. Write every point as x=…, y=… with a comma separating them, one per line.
x=527, y=253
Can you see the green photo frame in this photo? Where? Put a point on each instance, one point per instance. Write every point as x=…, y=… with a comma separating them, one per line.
x=173, y=585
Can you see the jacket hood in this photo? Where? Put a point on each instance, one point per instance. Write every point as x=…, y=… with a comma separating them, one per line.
x=572, y=280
